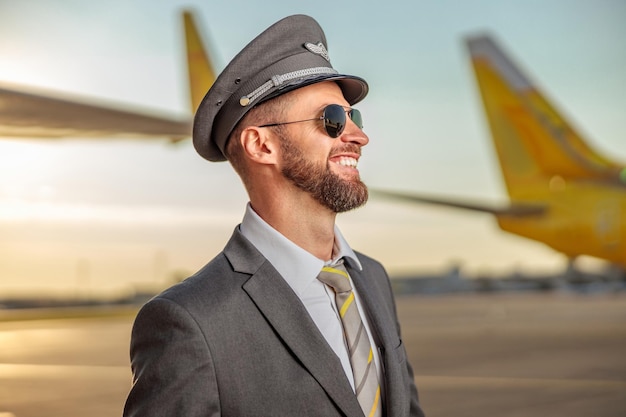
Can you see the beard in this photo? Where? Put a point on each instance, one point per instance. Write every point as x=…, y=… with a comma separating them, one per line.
x=330, y=190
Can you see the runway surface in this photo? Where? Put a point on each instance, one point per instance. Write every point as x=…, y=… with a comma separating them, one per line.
x=473, y=355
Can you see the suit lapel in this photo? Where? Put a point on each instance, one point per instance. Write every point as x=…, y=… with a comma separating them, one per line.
x=376, y=309
x=289, y=318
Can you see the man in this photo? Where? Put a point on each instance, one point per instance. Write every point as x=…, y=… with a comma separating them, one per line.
x=287, y=320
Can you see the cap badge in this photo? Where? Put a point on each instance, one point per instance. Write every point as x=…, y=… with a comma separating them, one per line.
x=318, y=49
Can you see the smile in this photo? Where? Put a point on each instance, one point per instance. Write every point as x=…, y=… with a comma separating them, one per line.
x=348, y=162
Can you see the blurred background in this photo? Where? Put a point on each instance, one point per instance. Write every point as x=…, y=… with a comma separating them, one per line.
x=114, y=219
x=102, y=215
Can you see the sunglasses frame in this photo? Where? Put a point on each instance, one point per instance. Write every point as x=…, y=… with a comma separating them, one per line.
x=333, y=127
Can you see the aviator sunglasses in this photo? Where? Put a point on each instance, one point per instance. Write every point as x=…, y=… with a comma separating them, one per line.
x=334, y=117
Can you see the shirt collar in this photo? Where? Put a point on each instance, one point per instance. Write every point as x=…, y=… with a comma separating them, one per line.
x=297, y=266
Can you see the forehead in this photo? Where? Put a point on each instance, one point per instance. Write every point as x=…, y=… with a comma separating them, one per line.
x=316, y=96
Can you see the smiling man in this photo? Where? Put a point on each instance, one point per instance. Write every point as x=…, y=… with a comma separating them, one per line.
x=287, y=320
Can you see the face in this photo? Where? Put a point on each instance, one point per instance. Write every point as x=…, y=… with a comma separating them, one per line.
x=324, y=167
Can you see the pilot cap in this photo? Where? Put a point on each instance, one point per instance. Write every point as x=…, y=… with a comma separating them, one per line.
x=288, y=55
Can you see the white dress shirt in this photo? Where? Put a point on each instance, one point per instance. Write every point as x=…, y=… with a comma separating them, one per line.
x=300, y=268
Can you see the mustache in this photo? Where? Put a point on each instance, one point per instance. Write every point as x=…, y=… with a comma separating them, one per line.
x=346, y=148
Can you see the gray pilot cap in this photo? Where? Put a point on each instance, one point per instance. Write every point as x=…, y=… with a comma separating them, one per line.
x=289, y=54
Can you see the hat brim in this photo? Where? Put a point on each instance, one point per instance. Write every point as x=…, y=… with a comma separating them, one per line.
x=354, y=88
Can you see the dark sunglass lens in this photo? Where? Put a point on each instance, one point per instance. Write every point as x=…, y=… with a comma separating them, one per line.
x=355, y=116
x=334, y=120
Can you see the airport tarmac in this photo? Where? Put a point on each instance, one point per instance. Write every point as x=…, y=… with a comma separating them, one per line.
x=503, y=355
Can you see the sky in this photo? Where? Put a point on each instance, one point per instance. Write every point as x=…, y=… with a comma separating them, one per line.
x=103, y=216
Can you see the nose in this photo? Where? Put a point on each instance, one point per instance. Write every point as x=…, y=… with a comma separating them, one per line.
x=353, y=134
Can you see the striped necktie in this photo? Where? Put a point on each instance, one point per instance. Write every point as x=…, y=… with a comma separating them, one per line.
x=361, y=355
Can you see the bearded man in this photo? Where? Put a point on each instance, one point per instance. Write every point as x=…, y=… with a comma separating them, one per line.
x=287, y=320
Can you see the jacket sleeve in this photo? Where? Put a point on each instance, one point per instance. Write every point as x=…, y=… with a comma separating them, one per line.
x=173, y=373
x=415, y=407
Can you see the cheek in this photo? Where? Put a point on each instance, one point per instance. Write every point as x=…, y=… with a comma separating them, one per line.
x=311, y=141
x=316, y=151
x=314, y=132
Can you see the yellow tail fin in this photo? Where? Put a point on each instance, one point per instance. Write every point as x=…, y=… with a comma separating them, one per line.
x=536, y=146
x=201, y=70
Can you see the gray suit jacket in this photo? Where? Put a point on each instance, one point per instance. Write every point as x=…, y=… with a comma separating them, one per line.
x=235, y=340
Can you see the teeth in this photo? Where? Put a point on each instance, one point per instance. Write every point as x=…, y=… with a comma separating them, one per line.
x=348, y=162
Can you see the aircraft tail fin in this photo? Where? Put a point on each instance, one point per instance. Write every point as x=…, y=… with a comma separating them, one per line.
x=200, y=68
x=536, y=146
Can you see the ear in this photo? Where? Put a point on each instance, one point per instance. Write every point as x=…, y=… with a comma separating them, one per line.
x=260, y=145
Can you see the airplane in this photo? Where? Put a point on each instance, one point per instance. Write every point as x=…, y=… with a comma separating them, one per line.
x=28, y=113
x=562, y=192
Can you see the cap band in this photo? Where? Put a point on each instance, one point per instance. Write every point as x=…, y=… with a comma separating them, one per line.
x=278, y=80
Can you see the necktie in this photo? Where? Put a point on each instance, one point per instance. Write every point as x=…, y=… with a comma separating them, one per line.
x=359, y=349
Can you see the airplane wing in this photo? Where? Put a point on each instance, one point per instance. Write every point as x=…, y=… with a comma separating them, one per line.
x=513, y=210
x=26, y=113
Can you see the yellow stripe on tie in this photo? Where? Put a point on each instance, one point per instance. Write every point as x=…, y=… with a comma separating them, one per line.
x=375, y=406
x=335, y=271
x=346, y=305
x=369, y=359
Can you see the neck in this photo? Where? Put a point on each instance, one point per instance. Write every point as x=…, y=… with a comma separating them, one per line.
x=300, y=219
